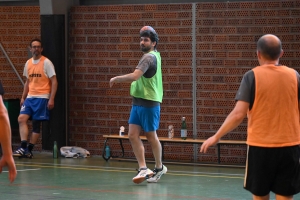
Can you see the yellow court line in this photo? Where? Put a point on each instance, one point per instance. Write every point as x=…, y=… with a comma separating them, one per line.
x=127, y=171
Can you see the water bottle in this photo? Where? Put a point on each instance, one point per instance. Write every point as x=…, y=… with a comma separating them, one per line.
x=122, y=130
x=183, y=132
x=107, y=151
x=55, y=150
x=170, y=131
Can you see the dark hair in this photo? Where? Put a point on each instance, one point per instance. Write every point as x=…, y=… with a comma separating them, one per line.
x=269, y=49
x=36, y=40
x=153, y=36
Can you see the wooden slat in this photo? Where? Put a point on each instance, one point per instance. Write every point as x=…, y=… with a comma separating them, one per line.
x=178, y=140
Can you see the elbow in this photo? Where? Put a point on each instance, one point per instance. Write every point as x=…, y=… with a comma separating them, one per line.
x=135, y=77
x=239, y=117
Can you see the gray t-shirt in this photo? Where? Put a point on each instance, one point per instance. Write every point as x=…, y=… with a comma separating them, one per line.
x=246, y=91
x=148, y=65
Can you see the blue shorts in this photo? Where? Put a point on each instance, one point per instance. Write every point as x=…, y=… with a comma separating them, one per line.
x=146, y=117
x=36, y=108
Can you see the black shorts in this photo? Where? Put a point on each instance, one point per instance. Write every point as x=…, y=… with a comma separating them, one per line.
x=273, y=169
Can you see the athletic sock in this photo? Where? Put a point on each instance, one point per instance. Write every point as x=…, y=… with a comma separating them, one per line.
x=30, y=147
x=159, y=169
x=23, y=144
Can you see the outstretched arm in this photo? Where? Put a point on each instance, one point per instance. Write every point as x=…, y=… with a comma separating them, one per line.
x=231, y=122
x=5, y=140
x=127, y=77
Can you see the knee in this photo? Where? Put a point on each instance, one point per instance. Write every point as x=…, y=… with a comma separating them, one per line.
x=152, y=139
x=133, y=137
x=22, y=119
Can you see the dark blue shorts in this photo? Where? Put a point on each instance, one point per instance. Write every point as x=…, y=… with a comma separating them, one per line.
x=273, y=169
x=36, y=108
x=146, y=117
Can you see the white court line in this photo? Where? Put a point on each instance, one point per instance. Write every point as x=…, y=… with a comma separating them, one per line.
x=24, y=170
x=133, y=169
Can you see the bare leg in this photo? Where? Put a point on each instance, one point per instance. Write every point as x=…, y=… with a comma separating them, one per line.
x=23, y=128
x=137, y=144
x=34, y=137
x=279, y=197
x=267, y=197
x=156, y=147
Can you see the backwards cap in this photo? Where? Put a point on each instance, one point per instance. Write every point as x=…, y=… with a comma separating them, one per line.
x=148, y=28
x=154, y=36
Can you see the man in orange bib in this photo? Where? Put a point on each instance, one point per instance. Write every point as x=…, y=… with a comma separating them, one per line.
x=269, y=96
x=38, y=96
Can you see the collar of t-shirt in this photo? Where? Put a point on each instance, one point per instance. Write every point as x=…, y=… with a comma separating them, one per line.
x=36, y=61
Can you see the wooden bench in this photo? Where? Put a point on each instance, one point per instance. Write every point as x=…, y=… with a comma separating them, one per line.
x=166, y=139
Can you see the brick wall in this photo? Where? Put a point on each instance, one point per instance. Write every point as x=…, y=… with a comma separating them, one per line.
x=226, y=45
x=18, y=25
x=104, y=42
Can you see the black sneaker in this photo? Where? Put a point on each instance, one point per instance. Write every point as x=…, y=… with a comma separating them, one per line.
x=28, y=154
x=23, y=153
x=20, y=152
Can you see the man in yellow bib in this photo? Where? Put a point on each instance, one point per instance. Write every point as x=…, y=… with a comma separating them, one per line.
x=147, y=92
x=37, y=98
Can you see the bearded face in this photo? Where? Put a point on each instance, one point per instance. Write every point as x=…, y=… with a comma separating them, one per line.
x=146, y=44
x=36, y=49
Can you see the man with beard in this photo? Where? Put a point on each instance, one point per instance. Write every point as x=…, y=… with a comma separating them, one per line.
x=37, y=98
x=147, y=92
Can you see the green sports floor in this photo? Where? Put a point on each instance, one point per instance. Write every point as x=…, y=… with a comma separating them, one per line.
x=43, y=178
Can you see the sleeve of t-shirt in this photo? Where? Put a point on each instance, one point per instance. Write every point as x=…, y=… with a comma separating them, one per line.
x=1, y=89
x=49, y=68
x=145, y=62
x=244, y=91
x=25, y=71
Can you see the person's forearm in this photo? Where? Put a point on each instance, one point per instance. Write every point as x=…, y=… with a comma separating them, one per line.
x=5, y=132
x=25, y=91
x=126, y=78
x=230, y=123
x=53, y=89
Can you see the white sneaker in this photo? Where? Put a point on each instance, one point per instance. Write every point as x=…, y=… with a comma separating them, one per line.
x=157, y=174
x=142, y=175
